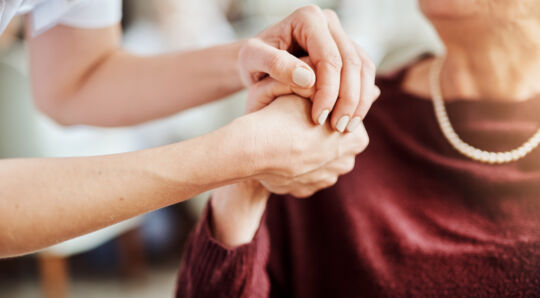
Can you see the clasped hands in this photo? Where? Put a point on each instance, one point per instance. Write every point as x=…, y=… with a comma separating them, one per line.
x=344, y=86
x=304, y=116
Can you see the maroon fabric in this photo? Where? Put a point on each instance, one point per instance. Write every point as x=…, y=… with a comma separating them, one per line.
x=414, y=218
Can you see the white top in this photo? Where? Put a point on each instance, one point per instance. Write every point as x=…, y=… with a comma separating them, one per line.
x=45, y=14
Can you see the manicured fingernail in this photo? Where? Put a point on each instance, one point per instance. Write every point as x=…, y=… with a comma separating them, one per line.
x=342, y=123
x=303, y=77
x=323, y=116
x=353, y=124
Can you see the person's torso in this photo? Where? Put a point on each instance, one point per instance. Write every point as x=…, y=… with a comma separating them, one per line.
x=415, y=218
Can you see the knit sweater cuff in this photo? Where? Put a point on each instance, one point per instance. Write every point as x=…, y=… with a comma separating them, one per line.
x=215, y=252
x=211, y=265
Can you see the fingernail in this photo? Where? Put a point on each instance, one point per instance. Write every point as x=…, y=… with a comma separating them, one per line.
x=377, y=91
x=353, y=124
x=302, y=77
x=342, y=123
x=323, y=116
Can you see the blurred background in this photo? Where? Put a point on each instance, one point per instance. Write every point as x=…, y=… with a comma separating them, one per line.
x=141, y=257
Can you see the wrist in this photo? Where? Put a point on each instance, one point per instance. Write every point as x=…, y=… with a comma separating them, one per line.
x=237, y=211
x=245, y=135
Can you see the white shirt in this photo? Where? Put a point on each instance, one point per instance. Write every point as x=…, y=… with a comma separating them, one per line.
x=45, y=14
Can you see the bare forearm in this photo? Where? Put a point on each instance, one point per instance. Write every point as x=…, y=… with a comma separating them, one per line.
x=127, y=89
x=237, y=211
x=45, y=201
x=106, y=86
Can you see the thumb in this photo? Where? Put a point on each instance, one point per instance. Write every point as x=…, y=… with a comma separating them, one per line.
x=258, y=57
x=264, y=92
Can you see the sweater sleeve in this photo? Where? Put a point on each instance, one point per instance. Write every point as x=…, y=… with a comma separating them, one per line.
x=213, y=270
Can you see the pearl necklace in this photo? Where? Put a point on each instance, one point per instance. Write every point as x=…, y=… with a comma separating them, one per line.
x=456, y=142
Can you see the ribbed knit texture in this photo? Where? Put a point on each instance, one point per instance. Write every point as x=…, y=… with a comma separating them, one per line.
x=413, y=219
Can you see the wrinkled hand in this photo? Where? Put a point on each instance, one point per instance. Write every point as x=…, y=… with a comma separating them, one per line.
x=293, y=157
x=345, y=75
x=296, y=156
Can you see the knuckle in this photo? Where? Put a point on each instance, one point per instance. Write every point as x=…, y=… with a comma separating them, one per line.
x=369, y=66
x=364, y=142
x=359, y=144
x=327, y=182
x=309, y=10
x=347, y=102
x=251, y=42
x=279, y=190
x=332, y=61
x=303, y=194
x=353, y=62
x=331, y=180
x=349, y=165
x=247, y=46
x=330, y=14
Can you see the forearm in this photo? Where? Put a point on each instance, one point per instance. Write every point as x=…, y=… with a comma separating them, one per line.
x=237, y=211
x=45, y=201
x=126, y=89
x=106, y=86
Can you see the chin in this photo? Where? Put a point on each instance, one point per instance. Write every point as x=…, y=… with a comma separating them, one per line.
x=451, y=8
x=480, y=8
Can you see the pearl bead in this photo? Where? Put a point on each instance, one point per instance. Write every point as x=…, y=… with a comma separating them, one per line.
x=456, y=142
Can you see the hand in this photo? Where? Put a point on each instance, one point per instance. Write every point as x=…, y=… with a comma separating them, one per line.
x=237, y=209
x=265, y=91
x=339, y=64
x=293, y=155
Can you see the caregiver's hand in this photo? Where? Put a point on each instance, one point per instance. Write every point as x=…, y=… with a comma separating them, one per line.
x=265, y=91
x=339, y=64
x=299, y=157
x=289, y=149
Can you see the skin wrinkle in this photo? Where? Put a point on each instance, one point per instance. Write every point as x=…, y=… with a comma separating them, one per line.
x=492, y=55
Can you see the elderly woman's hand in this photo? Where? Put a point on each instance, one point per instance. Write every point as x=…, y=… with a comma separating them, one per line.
x=317, y=156
x=294, y=157
x=294, y=153
x=345, y=75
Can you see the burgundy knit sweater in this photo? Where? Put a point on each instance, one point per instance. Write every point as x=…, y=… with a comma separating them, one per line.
x=414, y=218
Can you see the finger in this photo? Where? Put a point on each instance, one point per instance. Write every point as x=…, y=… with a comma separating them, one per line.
x=346, y=165
x=264, y=92
x=310, y=30
x=326, y=172
x=362, y=110
x=329, y=181
x=349, y=92
x=258, y=58
x=356, y=141
x=368, y=81
x=303, y=193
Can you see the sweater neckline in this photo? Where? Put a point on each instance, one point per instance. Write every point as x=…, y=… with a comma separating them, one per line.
x=502, y=110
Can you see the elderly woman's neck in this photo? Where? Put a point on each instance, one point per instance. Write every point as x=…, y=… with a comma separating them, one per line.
x=491, y=61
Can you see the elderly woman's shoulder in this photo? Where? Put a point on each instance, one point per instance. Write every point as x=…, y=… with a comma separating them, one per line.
x=412, y=79
x=405, y=93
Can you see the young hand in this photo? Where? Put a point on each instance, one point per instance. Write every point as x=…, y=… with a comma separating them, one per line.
x=345, y=75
